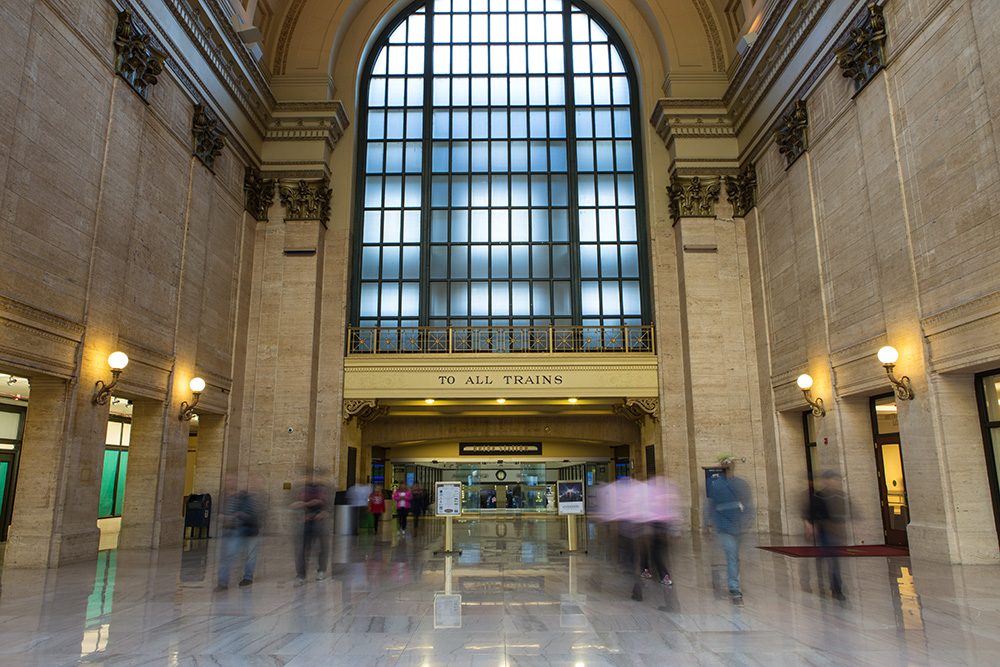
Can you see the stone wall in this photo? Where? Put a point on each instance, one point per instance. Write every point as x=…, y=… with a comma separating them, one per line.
x=885, y=232
x=118, y=239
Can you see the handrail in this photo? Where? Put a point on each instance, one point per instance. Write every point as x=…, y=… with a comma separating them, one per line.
x=500, y=339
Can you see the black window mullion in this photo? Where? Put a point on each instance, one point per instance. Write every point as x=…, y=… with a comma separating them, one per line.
x=572, y=180
x=426, y=161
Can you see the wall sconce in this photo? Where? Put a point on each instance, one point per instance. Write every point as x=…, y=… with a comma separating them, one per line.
x=888, y=356
x=805, y=383
x=197, y=386
x=102, y=392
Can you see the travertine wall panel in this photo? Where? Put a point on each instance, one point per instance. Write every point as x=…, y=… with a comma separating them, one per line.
x=55, y=169
x=218, y=308
x=15, y=21
x=986, y=19
x=854, y=301
x=157, y=238
x=951, y=162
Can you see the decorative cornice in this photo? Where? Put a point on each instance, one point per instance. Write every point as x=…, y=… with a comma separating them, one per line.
x=792, y=135
x=779, y=39
x=309, y=121
x=364, y=410
x=137, y=61
x=692, y=198
x=231, y=68
x=258, y=193
x=741, y=191
x=687, y=117
x=306, y=200
x=635, y=409
x=970, y=311
x=209, y=139
x=863, y=56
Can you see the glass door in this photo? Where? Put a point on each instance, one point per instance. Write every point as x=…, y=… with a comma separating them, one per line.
x=988, y=393
x=11, y=432
x=889, y=467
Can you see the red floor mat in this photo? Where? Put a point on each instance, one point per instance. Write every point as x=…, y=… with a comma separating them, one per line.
x=882, y=550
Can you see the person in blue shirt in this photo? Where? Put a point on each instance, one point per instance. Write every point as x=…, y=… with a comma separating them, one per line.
x=729, y=511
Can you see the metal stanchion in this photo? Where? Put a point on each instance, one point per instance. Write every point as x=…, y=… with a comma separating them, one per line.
x=571, y=536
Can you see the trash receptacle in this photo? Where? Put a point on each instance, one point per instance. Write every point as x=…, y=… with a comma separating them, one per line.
x=345, y=519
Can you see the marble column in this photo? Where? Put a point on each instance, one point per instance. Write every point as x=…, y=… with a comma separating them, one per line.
x=209, y=460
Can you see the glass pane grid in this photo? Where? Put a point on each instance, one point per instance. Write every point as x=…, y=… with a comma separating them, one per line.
x=500, y=191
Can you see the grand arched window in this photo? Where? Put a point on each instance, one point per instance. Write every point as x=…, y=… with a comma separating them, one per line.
x=499, y=179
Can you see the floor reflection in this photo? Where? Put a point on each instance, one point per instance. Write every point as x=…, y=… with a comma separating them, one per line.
x=511, y=598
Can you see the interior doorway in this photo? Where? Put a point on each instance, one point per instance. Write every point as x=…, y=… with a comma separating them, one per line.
x=11, y=433
x=889, y=467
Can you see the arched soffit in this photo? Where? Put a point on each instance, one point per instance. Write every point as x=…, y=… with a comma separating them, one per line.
x=321, y=38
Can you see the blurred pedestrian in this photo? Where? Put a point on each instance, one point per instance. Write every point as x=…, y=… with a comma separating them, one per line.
x=730, y=510
x=825, y=519
x=403, y=498
x=419, y=504
x=241, y=524
x=376, y=505
x=313, y=499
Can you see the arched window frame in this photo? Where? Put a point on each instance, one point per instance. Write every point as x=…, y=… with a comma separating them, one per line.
x=424, y=317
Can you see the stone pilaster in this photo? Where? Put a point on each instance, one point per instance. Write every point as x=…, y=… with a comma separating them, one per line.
x=209, y=461
x=154, y=484
x=723, y=400
x=283, y=341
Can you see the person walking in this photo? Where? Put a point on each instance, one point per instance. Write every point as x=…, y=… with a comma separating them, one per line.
x=403, y=498
x=730, y=509
x=376, y=505
x=825, y=521
x=314, y=501
x=419, y=504
x=241, y=522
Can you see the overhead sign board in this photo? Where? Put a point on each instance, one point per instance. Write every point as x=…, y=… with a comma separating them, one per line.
x=499, y=448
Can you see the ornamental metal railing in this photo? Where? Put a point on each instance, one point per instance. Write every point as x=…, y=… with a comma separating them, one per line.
x=499, y=339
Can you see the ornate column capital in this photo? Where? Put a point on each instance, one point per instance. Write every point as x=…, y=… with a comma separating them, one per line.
x=209, y=138
x=306, y=200
x=792, y=135
x=862, y=56
x=693, y=197
x=741, y=191
x=137, y=61
x=258, y=193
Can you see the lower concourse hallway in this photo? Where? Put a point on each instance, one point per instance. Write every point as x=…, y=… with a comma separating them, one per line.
x=522, y=603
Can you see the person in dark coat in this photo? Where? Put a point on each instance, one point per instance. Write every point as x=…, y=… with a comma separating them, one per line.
x=730, y=511
x=825, y=519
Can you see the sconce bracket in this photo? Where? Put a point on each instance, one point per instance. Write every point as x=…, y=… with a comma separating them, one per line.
x=902, y=386
x=818, y=409
x=102, y=391
x=187, y=409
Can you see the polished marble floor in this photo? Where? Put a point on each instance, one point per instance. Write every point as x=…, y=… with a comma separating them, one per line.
x=391, y=601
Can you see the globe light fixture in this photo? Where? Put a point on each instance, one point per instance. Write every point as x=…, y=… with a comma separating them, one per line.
x=805, y=383
x=196, y=385
x=888, y=355
x=117, y=361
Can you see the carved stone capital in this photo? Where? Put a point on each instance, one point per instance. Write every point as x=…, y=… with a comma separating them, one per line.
x=209, y=138
x=792, y=135
x=693, y=198
x=741, y=191
x=136, y=60
x=258, y=193
x=862, y=56
x=364, y=410
x=636, y=409
x=306, y=200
